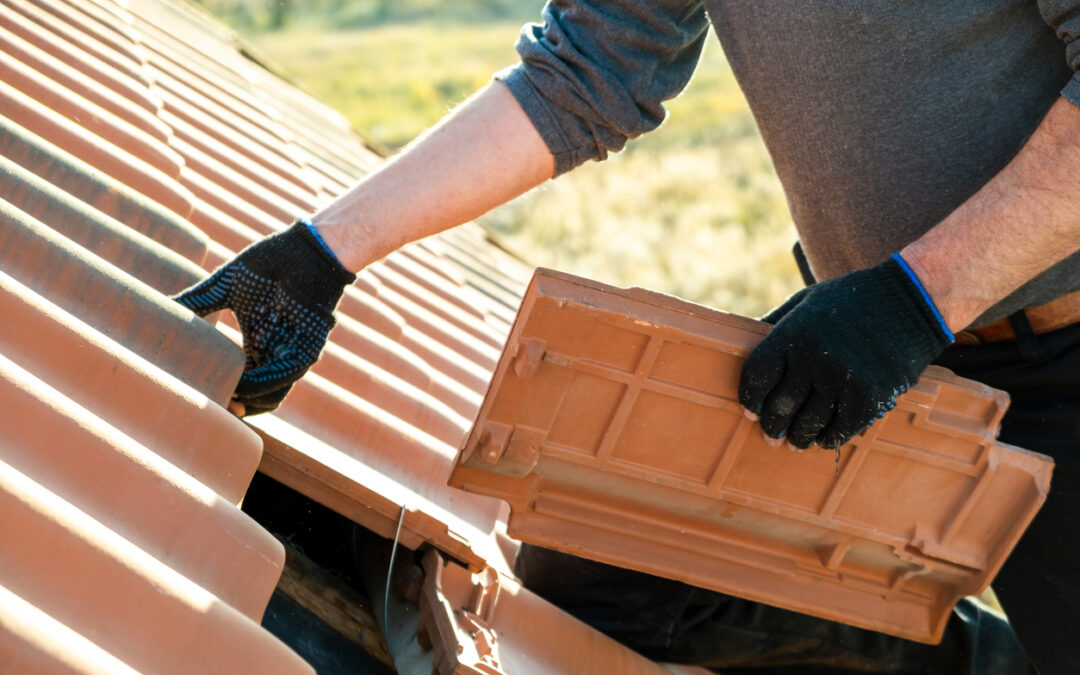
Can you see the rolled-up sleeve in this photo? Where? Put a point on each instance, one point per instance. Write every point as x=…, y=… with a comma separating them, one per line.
x=596, y=73
x=1064, y=17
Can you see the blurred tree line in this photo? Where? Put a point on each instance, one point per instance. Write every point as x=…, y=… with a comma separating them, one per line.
x=256, y=15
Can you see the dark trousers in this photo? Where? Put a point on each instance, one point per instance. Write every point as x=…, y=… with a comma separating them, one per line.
x=1039, y=585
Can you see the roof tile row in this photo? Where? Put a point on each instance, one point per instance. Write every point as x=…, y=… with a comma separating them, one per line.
x=120, y=471
x=100, y=191
x=139, y=148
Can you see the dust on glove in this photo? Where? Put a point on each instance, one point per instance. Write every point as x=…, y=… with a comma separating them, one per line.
x=840, y=353
x=283, y=291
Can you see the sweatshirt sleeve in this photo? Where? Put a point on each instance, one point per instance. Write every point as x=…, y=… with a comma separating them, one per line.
x=1064, y=17
x=596, y=73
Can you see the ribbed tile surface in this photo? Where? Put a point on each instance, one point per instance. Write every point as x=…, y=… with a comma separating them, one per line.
x=613, y=429
x=138, y=150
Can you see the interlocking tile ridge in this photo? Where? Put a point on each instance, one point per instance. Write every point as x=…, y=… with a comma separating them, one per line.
x=145, y=499
x=102, y=192
x=113, y=160
x=178, y=422
x=140, y=318
x=123, y=247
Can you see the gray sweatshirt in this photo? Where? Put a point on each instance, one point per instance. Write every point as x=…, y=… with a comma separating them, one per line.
x=880, y=116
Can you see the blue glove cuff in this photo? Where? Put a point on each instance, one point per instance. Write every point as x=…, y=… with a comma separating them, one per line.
x=315, y=233
x=926, y=296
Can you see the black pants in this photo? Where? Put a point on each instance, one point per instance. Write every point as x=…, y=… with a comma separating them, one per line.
x=1039, y=585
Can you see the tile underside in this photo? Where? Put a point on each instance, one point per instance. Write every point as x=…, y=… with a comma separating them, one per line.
x=613, y=425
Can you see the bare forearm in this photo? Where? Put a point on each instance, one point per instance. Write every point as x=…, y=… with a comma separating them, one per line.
x=1020, y=223
x=484, y=154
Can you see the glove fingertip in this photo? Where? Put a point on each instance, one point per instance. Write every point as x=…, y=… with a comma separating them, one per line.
x=761, y=372
x=268, y=378
x=263, y=403
x=198, y=310
x=204, y=298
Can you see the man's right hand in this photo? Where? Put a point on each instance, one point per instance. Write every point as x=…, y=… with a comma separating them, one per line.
x=840, y=354
x=283, y=291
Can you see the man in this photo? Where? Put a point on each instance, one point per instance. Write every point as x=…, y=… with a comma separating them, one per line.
x=930, y=153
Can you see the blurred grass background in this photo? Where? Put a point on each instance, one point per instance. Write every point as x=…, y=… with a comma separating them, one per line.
x=693, y=209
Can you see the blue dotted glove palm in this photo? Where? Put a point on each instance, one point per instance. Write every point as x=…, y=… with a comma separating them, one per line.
x=840, y=353
x=283, y=291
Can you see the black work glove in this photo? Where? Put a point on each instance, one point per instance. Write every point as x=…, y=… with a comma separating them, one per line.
x=840, y=353
x=283, y=291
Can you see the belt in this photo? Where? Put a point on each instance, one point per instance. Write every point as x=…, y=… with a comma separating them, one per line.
x=1043, y=319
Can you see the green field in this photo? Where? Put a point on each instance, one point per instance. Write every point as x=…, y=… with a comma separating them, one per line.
x=693, y=209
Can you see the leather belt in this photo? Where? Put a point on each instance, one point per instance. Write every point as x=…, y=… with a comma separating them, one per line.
x=1043, y=319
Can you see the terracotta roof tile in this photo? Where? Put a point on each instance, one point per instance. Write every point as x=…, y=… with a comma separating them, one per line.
x=102, y=192
x=487, y=624
x=442, y=297
x=33, y=23
x=482, y=352
x=208, y=84
x=144, y=498
x=204, y=112
x=392, y=356
x=101, y=153
x=226, y=233
x=101, y=121
x=33, y=642
x=179, y=423
x=92, y=82
x=239, y=173
x=372, y=487
x=437, y=350
x=117, y=305
x=82, y=58
x=129, y=603
x=110, y=33
x=222, y=199
x=95, y=231
x=613, y=425
x=255, y=164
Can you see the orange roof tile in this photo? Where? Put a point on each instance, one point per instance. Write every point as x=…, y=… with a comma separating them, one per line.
x=487, y=624
x=612, y=425
x=100, y=191
x=179, y=423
